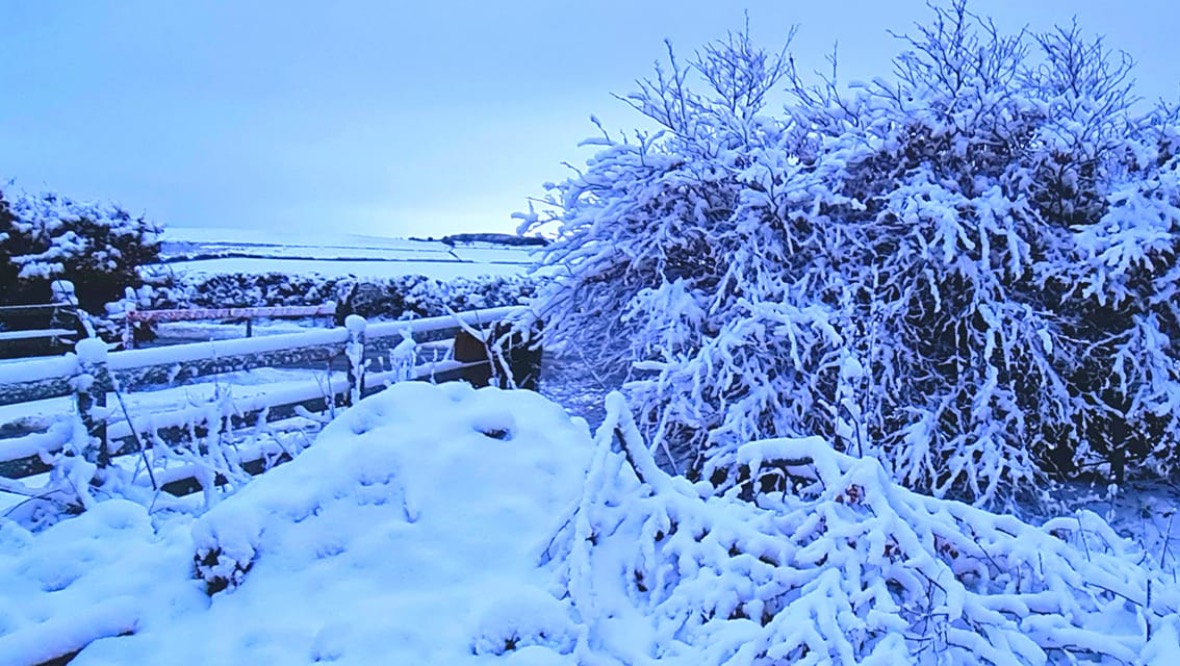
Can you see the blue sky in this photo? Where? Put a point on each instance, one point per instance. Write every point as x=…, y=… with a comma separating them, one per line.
x=393, y=117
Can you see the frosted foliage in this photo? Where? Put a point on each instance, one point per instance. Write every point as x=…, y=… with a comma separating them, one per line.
x=809, y=556
x=968, y=272
x=50, y=218
x=46, y=238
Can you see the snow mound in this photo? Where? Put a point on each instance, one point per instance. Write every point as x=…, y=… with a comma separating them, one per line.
x=412, y=527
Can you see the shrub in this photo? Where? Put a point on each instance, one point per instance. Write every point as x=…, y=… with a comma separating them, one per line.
x=406, y=297
x=967, y=271
x=97, y=247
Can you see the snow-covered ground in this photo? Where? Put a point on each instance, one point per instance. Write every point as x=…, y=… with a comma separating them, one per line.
x=250, y=251
x=409, y=534
x=447, y=525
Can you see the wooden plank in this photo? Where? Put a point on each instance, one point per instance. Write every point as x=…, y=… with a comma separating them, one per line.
x=215, y=349
x=31, y=310
x=52, y=378
x=167, y=365
x=188, y=485
x=25, y=466
x=6, y=336
x=473, y=318
x=171, y=374
x=198, y=314
x=32, y=391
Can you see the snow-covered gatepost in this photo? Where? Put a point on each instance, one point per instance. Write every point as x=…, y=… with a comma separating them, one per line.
x=354, y=351
x=90, y=389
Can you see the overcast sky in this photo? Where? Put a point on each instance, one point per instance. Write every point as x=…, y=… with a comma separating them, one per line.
x=395, y=117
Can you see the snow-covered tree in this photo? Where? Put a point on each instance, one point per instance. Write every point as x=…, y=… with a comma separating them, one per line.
x=965, y=269
x=98, y=247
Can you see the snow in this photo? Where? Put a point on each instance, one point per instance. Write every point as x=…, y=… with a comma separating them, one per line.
x=772, y=283
x=409, y=533
x=448, y=525
x=248, y=251
x=249, y=236
x=355, y=324
x=442, y=270
x=91, y=350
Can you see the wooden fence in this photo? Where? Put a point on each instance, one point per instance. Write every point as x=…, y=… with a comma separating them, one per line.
x=37, y=329
x=88, y=384
x=133, y=317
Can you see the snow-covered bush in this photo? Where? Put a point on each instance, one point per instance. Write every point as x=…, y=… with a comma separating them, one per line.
x=966, y=270
x=407, y=297
x=98, y=247
x=810, y=556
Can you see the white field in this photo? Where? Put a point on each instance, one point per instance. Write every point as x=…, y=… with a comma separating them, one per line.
x=255, y=251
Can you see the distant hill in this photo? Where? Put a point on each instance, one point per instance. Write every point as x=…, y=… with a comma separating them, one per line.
x=497, y=239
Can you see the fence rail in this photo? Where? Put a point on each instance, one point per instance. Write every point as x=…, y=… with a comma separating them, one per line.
x=37, y=329
x=85, y=383
x=248, y=315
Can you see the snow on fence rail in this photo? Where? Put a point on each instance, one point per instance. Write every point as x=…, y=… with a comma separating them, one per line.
x=80, y=383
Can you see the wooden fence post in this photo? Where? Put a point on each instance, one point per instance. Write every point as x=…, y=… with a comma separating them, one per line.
x=90, y=389
x=354, y=351
x=129, y=327
x=468, y=348
x=519, y=354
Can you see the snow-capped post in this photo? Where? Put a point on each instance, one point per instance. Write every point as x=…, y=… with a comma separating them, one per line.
x=355, y=352
x=129, y=308
x=90, y=388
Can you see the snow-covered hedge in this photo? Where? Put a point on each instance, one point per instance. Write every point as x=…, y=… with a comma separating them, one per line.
x=99, y=247
x=405, y=297
x=967, y=270
x=805, y=555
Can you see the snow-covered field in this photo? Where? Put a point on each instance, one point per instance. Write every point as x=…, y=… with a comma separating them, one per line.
x=447, y=525
x=251, y=251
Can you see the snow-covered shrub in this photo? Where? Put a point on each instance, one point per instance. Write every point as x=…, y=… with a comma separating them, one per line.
x=966, y=270
x=407, y=297
x=815, y=557
x=97, y=246
x=524, y=618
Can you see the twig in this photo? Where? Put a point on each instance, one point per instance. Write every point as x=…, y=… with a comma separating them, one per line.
x=1167, y=539
x=134, y=434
